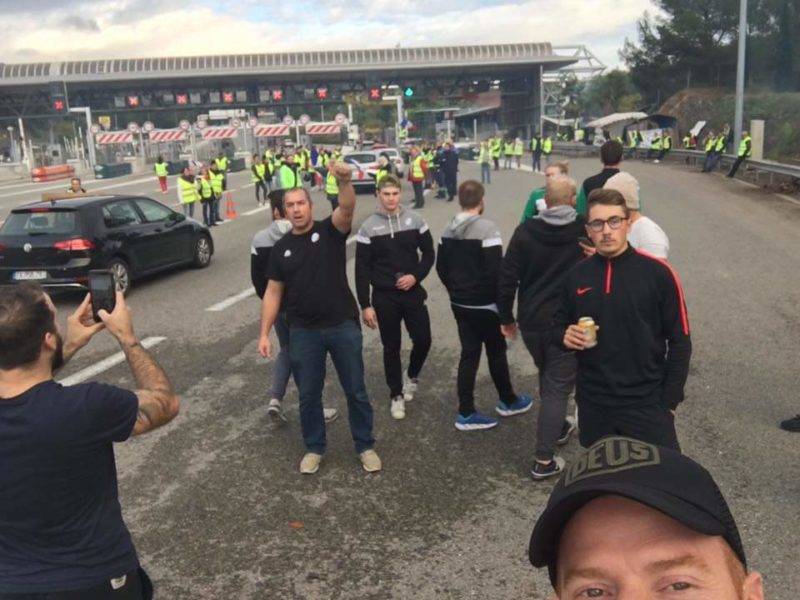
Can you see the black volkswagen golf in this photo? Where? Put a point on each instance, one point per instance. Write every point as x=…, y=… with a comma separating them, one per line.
x=57, y=242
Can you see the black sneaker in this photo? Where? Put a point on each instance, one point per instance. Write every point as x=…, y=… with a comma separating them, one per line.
x=542, y=471
x=566, y=431
x=792, y=424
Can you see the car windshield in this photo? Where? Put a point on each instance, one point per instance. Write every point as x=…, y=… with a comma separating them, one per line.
x=40, y=222
x=362, y=158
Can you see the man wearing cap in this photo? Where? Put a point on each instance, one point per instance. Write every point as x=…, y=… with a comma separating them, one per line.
x=643, y=233
x=629, y=520
x=632, y=370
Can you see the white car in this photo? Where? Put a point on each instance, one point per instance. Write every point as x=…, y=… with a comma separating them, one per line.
x=369, y=159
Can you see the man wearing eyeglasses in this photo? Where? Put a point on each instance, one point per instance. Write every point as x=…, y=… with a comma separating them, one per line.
x=631, y=382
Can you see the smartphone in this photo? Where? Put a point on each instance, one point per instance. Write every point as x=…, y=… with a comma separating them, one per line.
x=586, y=241
x=103, y=290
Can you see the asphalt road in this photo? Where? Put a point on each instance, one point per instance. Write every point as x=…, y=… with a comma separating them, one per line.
x=217, y=508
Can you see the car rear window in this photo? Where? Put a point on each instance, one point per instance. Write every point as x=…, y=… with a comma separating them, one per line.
x=40, y=222
x=362, y=158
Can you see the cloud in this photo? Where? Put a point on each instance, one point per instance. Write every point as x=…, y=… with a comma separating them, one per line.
x=132, y=28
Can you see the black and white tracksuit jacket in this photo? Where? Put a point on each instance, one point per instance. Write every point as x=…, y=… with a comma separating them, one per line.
x=260, y=250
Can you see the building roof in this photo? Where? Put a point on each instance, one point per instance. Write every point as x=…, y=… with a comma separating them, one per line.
x=616, y=118
x=414, y=60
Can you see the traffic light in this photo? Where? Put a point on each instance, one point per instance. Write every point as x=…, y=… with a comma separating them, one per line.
x=59, y=104
x=375, y=93
x=277, y=95
x=132, y=101
x=322, y=93
x=227, y=97
x=181, y=98
x=408, y=91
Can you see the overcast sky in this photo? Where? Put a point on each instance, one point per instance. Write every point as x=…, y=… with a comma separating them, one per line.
x=44, y=30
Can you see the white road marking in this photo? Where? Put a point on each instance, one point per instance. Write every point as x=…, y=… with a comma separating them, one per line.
x=65, y=184
x=230, y=301
x=255, y=211
x=789, y=198
x=33, y=184
x=106, y=363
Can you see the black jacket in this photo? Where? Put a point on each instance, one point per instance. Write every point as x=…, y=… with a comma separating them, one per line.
x=537, y=260
x=596, y=182
x=643, y=345
x=389, y=245
x=468, y=261
x=263, y=241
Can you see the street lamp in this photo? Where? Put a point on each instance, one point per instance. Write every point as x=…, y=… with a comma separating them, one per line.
x=89, y=137
x=739, y=111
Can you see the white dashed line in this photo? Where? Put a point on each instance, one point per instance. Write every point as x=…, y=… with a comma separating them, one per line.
x=106, y=363
x=255, y=211
x=231, y=300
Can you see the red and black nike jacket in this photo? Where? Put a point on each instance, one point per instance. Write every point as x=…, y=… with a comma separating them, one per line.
x=644, y=346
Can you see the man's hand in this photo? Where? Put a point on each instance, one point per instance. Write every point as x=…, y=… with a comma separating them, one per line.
x=587, y=250
x=369, y=317
x=119, y=322
x=81, y=328
x=341, y=171
x=406, y=282
x=575, y=337
x=509, y=330
x=264, y=345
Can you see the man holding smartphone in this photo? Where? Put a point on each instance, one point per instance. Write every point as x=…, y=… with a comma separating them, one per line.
x=631, y=382
x=61, y=529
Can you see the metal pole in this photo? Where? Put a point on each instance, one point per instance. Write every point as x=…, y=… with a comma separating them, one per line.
x=541, y=100
x=349, y=112
x=297, y=133
x=475, y=129
x=322, y=112
x=739, y=113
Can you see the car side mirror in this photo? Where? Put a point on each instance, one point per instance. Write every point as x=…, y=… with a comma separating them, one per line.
x=177, y=217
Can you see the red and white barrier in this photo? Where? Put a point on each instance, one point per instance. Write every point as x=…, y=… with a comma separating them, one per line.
x=167, y=135
x=271, y=130
x=329, y=128
x=114, y=137
x=219, y=133
x=52, y=173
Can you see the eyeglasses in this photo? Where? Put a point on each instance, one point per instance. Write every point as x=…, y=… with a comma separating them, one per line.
x=599, y=224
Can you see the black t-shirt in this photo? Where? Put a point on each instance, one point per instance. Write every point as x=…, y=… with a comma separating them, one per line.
x=61, y=524
x=312, y=268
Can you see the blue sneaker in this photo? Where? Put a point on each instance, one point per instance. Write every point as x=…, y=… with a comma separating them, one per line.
x=475, y=422
x=521, y=405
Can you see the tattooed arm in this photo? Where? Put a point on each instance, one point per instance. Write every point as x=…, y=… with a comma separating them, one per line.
x=158, y=403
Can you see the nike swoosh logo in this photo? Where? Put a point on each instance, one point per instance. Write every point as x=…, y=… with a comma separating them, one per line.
x=582, y=291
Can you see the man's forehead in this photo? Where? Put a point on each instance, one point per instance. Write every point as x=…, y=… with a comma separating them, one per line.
x=604, y=210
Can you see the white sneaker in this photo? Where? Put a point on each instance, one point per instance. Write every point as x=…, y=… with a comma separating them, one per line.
x=310, y=463
x=330, y=414
x=409, y=387
x=275, y=411
x=398, y=408
x=370, y=461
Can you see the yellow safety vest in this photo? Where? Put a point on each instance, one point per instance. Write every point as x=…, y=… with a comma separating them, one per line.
x=216, y=183
x=416, y=168
x=189, y=191
x=656, y=143
x=331, y=185
x=710, y=142
x=518, y=148
x=721, y=143
x=205, y=188
x=259, y=175
x=508, y=149
x=221, y=163
x=534, y=144
x=484, y=157
x=382, y=172
x=161, y=169
x=743, y=149
x=288, y=177
x=495, y=148
x=547, y=145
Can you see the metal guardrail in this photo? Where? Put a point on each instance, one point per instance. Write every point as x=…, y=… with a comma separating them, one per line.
x=769, y=167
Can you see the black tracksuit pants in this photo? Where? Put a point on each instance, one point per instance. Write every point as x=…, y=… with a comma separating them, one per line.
x=393, y=308
x=477, y=328
x=261, y=186
x=651, y=422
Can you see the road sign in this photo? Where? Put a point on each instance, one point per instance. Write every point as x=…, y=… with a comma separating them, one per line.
x=340, y=118
x=95, y=128
x=184, y=124
x=133, y=127
x=304, y=119
x=236, y=123
x=288, y=120
x=105, y=121
x=148, y=126
x=253, y=122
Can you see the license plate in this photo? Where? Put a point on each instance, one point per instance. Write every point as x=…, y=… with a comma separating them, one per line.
x=30, y=275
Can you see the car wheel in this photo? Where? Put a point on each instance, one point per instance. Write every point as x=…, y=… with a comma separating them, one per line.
x=122, y=274
x=202, y=252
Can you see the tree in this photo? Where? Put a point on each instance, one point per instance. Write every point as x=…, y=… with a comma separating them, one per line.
x=608, y=93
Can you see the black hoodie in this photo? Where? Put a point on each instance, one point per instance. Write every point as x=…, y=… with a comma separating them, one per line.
x=537, y=260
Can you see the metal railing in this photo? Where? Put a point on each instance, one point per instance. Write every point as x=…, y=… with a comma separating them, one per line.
x=767, y=167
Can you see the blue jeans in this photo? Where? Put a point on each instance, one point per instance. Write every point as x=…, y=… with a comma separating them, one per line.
x=188, y=209
x=486, y=173
x=283, y=367
x=308, y=350
x=215, y=209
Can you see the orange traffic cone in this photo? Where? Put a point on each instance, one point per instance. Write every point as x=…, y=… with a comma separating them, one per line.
x=230, y=208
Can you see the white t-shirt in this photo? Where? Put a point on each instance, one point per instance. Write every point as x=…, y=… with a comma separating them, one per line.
x=646, y=235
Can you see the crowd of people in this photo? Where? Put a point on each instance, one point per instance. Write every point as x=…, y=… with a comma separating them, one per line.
x=585, y=281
